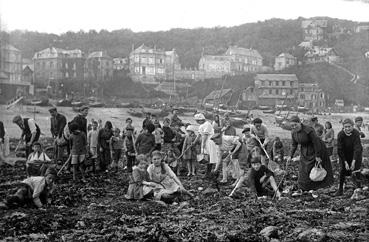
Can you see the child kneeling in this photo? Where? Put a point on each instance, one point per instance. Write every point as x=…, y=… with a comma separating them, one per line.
x=260, y=180
x=33, y=190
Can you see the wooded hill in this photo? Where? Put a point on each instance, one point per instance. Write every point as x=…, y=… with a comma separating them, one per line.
x=270, y=38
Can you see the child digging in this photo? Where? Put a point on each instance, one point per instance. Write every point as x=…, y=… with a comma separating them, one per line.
x=78, y=144
x=116, y=147
x=260, y=179
x=33, y=191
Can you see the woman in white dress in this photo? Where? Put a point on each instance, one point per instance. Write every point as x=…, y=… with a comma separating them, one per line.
x=208, y=146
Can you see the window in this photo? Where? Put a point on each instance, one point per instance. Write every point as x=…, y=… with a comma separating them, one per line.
x=302, y=96
x=137, y=59
x=66, y=65
x=283, y=83
x=143, y=59
x=75, y=74
x=291, y=92
x=66, y=75
x=277, y=91
x=74, y=66
x=137, y=69
x=277, y=83
x=270, y=91
x=270, y=83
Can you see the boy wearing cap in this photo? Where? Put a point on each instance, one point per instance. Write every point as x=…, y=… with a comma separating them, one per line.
x=358, y=125
x=261, y=133
x=33, y=190
x=251, y=142
x=260, y=178
x=145, y=142
x=81, y=120
x=350, y=151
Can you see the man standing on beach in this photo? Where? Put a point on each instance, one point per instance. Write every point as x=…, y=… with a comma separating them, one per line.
x=58, y=122
x=30, y=131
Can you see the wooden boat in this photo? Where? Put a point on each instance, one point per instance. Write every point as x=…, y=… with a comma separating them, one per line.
x=64, y=103
x=136, y=113
x=261, y=107
x=269, y=111
x=302, y=109
x=96, y=104
x=77, y=104
x=40, y=102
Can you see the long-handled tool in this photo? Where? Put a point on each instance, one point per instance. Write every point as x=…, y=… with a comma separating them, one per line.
x=70, y=156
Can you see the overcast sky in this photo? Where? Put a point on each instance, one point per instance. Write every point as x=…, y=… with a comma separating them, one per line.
x=53, y=16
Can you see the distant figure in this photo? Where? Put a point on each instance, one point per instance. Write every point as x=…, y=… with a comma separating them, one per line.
x=358, y=126
x=317, y=127
x=147, y=120
x=216, y=124
x=30, y=131
x=175, y=119
x=329, y=138
x=103, y=139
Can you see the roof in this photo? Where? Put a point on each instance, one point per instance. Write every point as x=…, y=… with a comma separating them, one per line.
x=218, y=94
x=276, y=77
x=234, y=50
x=30, y=66
x=314, y=23
x=320, y=51
x=286, y=55
x=145, y=49
x=98, y=54
x=53, y=52
x=306, y=44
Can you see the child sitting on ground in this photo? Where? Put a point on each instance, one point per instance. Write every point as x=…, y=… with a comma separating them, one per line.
x=116, y=147
x=260, y=179
x=139, y=185
x=33, y=190
x=78, y=143
x=36, y=164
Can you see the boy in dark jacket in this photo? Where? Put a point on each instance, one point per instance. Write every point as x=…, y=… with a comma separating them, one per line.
x=350, y=153
x=145, y=142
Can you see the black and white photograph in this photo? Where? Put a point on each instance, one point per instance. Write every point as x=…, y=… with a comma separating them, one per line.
x=184, y=120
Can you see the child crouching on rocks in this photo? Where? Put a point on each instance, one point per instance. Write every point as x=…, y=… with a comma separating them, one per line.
x=33, y=190
x=260, y=179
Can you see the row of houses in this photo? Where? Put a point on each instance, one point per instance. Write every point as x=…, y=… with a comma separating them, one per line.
x=273, y=90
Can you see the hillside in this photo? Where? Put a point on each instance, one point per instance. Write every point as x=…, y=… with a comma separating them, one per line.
x=269, y=37
x=334, y=81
